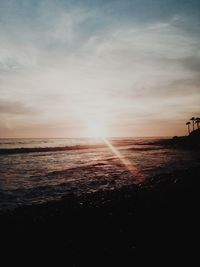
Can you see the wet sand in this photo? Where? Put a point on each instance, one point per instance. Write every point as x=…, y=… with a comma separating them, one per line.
x=159, y=217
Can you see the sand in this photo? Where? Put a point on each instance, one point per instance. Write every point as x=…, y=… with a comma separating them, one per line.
x=160, y=216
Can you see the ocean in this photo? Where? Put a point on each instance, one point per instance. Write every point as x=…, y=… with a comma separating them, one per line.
x=42, y=170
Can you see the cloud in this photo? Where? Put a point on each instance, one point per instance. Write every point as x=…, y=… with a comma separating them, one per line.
x=67, y=63
x=192, y=63
x=14, y=108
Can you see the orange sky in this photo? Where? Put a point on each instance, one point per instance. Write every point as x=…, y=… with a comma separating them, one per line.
x=75, y=69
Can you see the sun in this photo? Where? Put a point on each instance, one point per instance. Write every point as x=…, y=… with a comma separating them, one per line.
x=96, y=130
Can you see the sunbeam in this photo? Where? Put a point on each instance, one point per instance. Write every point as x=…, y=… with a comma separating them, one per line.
x=125, y=161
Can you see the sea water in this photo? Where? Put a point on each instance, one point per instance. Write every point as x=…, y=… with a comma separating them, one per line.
x=79, y=166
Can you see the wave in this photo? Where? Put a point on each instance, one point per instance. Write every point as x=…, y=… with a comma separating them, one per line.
x=6, y=151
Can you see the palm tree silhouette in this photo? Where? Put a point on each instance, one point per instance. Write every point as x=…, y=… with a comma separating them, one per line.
x=188, y=124
x=197, y=122
x=193, y=120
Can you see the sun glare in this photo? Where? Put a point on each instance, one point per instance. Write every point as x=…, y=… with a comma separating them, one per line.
x=96, y=130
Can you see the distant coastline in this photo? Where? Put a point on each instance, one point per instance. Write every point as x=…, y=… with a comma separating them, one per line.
x=192, y=141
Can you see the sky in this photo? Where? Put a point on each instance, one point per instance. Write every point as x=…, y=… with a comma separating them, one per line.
x=83, y=68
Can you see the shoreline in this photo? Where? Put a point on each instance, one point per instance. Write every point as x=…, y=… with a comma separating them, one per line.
x=94, y=221
x=191, y=141
x=159, y=216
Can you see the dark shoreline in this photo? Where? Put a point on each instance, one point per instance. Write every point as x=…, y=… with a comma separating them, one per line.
x=191, y=142
x=160, y=216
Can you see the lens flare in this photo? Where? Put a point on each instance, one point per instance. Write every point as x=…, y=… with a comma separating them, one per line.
x=126, y=162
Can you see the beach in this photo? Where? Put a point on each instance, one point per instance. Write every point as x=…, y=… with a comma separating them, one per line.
x=115, y=216
x=99, y=133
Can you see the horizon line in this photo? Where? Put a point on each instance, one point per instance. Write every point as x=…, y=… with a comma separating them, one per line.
x=86, y=137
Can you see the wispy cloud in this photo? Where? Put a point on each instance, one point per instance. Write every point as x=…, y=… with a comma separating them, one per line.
x=120, y=63
x=7, y=107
